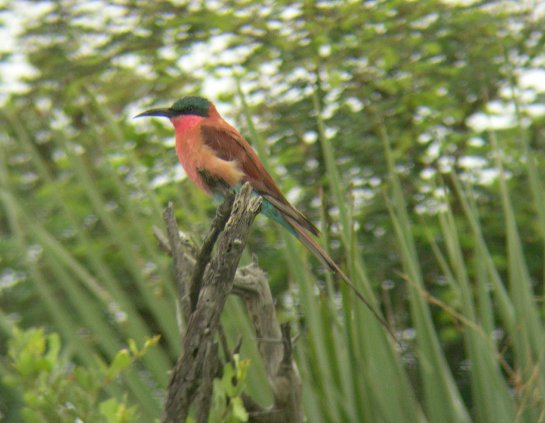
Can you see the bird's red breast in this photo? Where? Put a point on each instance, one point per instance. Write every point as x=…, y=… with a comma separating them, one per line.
x=195, y=155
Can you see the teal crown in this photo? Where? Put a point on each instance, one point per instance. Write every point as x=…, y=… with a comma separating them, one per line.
x=191, y=106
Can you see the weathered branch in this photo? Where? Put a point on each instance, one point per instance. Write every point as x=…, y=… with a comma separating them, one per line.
x=275, y=348
x=204, y=280
x=219, y=222
x=217, y=283
x=180, y=260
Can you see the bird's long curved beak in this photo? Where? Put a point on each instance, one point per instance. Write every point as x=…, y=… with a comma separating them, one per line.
x=165, y=112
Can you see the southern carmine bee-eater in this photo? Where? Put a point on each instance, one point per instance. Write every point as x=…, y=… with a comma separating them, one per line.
x=216, y=157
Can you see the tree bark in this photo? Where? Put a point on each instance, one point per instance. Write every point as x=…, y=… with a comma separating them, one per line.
x=204, y=280
x=275, y=347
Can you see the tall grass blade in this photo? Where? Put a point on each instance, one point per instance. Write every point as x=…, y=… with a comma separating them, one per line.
x=442, y=399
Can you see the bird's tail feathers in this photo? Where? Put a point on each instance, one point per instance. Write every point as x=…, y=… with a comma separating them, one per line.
x=286, y=210
x=309, y=242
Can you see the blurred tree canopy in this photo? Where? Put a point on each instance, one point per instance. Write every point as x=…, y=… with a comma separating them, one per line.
x=425, y=69
x=82, y=184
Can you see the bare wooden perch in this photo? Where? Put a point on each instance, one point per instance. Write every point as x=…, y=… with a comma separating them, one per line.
x=204, y=280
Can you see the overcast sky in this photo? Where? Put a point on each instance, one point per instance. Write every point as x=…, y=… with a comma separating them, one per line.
x=500, y=113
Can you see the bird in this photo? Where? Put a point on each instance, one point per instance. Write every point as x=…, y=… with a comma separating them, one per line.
x=217, y=159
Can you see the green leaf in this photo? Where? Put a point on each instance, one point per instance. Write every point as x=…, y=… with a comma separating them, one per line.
x=116, y=412
x=121, y=361
x=239, y=412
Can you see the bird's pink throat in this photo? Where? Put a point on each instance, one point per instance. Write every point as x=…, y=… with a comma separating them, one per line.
x=185, y=122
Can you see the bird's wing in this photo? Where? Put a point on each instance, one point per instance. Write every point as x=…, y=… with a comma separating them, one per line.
x=229, y=145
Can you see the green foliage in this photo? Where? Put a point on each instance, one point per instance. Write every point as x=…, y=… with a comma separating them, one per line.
x=367, y=113
x=54, y=389
x=227, y=403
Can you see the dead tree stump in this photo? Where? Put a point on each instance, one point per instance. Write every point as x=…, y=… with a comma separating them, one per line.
x=204, y=279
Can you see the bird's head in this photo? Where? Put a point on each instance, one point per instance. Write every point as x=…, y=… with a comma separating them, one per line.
x=187, y=106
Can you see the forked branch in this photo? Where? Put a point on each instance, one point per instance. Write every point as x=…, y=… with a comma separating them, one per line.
x=204, y=280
